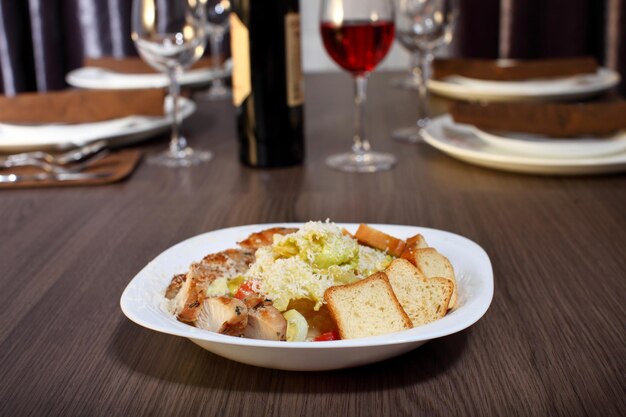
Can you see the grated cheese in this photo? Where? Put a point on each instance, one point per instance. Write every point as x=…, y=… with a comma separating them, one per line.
x=306, y=263
x=372, y=260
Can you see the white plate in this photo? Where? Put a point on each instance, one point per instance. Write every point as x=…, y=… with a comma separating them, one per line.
x=543, y=146
x=100, y=78
x=143, y=299
x=461, y=142
x=568, y=88
x=123, y=131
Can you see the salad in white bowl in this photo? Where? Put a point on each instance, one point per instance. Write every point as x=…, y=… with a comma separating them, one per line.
x=261, y=295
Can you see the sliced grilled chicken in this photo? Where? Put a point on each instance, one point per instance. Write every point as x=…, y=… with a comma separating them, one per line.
x=175, y=286
x=264, y=237
x=266, y=322
x=254, y=300
x=228, y=263
x=222, y=315
x=237, y=259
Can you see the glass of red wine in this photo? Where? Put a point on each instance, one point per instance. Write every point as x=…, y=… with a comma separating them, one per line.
x=357, y=34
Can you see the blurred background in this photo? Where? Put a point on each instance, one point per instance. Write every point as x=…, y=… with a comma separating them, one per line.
x=41, y=40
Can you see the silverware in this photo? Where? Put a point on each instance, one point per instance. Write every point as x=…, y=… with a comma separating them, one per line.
x=53, y=168
x=43, y=176
x=74, y=155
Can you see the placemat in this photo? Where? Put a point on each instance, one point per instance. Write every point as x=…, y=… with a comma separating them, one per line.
x=119, y=165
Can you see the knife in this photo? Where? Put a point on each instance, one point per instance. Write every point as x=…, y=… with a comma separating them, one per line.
x=70, y=176
x=74, y=155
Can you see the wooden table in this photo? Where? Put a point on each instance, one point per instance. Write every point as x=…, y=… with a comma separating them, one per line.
x=552, y=343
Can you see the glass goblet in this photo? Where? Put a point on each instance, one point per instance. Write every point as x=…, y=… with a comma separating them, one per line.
x=170, y=37
x=422, y=26
x=218, y=12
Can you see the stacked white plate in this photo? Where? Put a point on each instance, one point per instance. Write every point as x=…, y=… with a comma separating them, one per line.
x=566, y=88
x=100, y=78
x=526, y=153
x=122, y=131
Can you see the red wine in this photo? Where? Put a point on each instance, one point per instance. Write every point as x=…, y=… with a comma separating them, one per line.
x=267, y=82
x=358, y=46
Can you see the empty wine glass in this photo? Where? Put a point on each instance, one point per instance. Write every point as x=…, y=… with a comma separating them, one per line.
x=170, y=37
x=422, y=26
x=218, y=12
x=357, y=34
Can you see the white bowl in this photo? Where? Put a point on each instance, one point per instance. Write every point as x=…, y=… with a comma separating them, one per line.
x=143, y=302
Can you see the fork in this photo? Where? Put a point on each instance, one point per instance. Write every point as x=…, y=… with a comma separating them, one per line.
x=65, y=158
x=55, y=169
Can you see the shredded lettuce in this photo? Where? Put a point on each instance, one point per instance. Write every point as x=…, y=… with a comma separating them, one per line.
x=306, y=263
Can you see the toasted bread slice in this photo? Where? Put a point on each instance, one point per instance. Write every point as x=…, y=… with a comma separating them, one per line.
x=434, y=264
x=369, y=236
x=413, y=244
x=423, y=299
x=366, y=308
x=417, y=241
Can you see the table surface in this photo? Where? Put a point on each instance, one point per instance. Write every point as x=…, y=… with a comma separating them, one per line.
x=552, y=343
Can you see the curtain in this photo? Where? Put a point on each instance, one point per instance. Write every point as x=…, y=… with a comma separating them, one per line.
x=41, y=40
x=525, y=29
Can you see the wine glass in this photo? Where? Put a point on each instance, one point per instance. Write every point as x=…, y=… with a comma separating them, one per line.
x=422, y=26
x=218, y=12
x=357, y=34
x=170, y=36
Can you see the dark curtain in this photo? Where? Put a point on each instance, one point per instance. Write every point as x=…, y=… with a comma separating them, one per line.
x=544, y=28
x=41, y=40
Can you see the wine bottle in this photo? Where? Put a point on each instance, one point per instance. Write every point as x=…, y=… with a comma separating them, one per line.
x=268, y=86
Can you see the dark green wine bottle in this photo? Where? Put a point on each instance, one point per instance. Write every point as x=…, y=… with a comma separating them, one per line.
x=268, y=87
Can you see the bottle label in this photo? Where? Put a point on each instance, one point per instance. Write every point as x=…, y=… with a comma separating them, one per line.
x=240, y=47
x=293, y=60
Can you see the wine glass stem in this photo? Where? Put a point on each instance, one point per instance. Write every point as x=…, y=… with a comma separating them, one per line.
x=421, y=60
x=361, y=144
x=216, y=45
x=177, y=142
x=416, y=67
